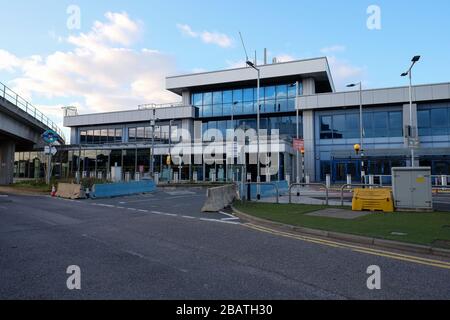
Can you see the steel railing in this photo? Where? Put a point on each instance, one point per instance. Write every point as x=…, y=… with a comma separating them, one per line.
x=346, y=186
x=265, y=183
x=14, y=98
x=309, y=184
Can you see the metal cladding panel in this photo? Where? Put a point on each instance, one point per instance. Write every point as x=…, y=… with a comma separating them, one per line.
x=301, y=67
x=411, y=188
x=129, y=116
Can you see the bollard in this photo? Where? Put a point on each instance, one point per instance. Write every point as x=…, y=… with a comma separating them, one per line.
x=175, y=177
x=328, y=180
x=156, y=178
x=194, y=176
x=371, y=180
x=307, y=179
x=349, y=179
x=127, y=177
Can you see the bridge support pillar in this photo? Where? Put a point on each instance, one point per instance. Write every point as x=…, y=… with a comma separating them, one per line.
x=7, y=149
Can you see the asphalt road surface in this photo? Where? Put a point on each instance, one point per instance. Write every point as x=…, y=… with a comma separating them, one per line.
x=160, y=246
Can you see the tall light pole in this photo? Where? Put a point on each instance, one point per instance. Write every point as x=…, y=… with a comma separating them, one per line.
x=410, y=129
x=258, y=178
x=361, y=128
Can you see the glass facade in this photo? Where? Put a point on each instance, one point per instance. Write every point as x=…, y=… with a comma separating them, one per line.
x=99, y=136
x=376, y=124
x=434, y=120
x=286, y=125
x=279, y=98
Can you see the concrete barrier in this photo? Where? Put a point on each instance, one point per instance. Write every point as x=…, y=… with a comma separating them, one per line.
x=122, y=189
x=219, y=197
x=70, y=191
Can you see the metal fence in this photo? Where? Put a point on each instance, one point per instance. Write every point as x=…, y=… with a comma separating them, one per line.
x=11, y=96
x=306, y=185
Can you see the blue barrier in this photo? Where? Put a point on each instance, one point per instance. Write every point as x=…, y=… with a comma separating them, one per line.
x=266, y=190
x=122, y=189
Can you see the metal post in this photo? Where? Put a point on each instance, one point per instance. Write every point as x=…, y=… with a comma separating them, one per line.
x=297, y=125
x=152, y=160
x=361, y=132
x=411, y=116
x=170, y=149
x=258, y=179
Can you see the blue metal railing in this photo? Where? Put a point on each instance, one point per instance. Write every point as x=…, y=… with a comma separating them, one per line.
x=9, y=95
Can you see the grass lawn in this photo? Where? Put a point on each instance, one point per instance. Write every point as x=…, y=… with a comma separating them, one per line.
x=421, y=228
x=32, y=185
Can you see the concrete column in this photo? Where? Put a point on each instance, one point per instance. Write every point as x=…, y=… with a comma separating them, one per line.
x=186, y=98
x=309, y=87
x=308, y=136
x=7, y=150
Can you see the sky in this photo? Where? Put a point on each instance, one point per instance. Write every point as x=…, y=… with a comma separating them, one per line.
x=113, y=55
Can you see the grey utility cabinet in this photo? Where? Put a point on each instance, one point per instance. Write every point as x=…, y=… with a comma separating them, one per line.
x=411, y=188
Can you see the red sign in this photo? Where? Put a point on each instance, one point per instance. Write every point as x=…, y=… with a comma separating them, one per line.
x=298, y=144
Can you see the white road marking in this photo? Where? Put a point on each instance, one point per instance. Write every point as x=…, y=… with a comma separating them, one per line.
x=228, y=215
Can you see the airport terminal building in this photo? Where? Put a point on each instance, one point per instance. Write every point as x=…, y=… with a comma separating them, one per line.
x=327, y=121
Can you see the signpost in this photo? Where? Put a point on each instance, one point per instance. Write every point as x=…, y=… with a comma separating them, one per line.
x=299, y=146
x=49, y=137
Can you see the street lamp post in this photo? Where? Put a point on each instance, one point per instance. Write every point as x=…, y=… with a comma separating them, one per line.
x=152, y=124
x=361, y=128
x=258, y=178
x=411, y=132
x=170, y=149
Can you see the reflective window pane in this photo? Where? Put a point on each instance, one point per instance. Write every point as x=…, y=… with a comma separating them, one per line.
x=248, y=95
x=338, y=126
x=217, y=97
x=228, y=96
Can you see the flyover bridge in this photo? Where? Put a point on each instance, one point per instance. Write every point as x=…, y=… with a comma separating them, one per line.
x=21, y=127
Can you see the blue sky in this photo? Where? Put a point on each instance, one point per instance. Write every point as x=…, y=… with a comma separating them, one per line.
x=122, y=59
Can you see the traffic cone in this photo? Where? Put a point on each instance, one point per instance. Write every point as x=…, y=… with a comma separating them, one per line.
x=53, y=191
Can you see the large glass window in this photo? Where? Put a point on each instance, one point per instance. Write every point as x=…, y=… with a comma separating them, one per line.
x=352, y=125
x=83, y=137
x=375, y=124
x=439, y=121
x=434, y=120
x=338, y=126
x=380, y=124
x=395, y=124
x=280, y=98
x=325, y=127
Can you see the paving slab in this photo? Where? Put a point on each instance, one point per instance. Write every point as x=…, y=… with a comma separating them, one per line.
x=339, y=213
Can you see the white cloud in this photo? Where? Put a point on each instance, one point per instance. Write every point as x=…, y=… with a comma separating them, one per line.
x=344, y=72
x=8, y=61
x=217, y=38
x=333, y=49
x=101, y=70
x=285, y=58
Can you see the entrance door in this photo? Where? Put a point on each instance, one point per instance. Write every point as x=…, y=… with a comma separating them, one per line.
x=340, y=169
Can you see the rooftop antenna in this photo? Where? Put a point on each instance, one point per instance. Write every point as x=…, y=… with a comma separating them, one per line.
x=243, y=45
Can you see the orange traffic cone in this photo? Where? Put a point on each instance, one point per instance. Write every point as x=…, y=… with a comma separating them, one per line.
x=53, y=191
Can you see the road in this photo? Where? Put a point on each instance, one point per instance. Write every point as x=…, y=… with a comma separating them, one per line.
x=160, y=246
